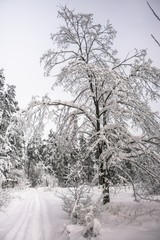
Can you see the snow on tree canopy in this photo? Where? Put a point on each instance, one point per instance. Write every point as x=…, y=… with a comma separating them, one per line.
x=111, y=94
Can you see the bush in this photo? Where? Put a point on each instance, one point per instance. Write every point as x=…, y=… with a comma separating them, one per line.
x=77, y=202
x=18, y=178
x=4, y=198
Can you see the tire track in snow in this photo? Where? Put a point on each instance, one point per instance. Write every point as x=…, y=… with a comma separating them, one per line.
x=32, y=228
x=53, y=216
x=37, y=217
x=19, y=223
x=26, y=220
x=35, y=228
x=45, y=221
x=20, y=234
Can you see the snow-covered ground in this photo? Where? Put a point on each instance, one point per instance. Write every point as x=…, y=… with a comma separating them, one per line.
x=35, y=214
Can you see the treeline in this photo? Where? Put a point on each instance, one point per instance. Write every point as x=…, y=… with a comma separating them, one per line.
x=32, y=159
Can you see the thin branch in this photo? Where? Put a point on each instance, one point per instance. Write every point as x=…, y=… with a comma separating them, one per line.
x=155, y=40
x=127, y=58
x=65, y=104
x=153, y=11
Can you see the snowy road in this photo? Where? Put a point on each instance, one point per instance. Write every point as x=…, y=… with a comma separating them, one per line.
x=35, y=216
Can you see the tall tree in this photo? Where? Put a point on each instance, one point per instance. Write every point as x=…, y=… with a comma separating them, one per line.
x=49, y=152
x=16, y=141
x=60, y=153
x=87, y=159
x=112, y=95
x=8, y=107
x=2, y=99
x=33, y=158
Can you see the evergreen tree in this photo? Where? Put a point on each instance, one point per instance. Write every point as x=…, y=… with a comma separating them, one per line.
x=88, y=159
x=33, y=158
x=57, y=156
x=8, y=107
x=2, y=100
x=16, y=142
x=48, y=152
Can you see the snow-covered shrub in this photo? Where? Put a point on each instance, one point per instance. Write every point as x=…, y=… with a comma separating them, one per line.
x=92, y=229
x=39, y=176
x=4, y=198
x=131, y=212
x=36, y=173
x=77, y=202
x=2, y=177
x=148, y=190
x=75, y=198
x=19, y=177
x=65, y=232
x=49, y=181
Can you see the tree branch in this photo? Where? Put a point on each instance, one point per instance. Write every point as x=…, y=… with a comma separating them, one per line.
x=153, y=11
x=155, y=40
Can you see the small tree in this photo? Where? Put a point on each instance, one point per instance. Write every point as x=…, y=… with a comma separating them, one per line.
x=112, y=95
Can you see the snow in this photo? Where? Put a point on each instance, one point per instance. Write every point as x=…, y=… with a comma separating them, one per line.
x=36, y=214
x=33, y=215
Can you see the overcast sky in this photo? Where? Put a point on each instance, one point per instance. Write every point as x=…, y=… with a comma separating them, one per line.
x=25, y=27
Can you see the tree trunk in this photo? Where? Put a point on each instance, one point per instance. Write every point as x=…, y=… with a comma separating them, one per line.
x=104, y=173
x=104, y=178
x=106, y=196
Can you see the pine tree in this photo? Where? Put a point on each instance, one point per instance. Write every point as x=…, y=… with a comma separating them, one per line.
x=8, y=107
x=2, y=99
x=88, y=160
x=58, y=156
x=48, y=150
x=33, y=158
x=16, y=142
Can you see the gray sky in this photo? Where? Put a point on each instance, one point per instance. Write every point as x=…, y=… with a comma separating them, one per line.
x=25, y=27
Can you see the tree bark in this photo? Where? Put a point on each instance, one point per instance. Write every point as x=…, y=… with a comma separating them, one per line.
x=106, y=195
x=104, y=181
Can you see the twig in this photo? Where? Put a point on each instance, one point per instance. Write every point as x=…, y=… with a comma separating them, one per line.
x=155, y=40
x=153, y=11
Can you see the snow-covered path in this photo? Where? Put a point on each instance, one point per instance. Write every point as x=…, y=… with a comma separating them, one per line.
x=34, y=216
